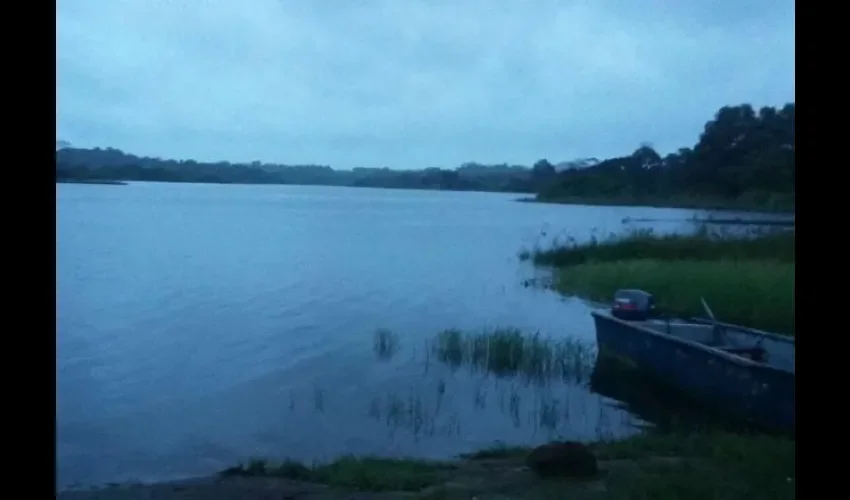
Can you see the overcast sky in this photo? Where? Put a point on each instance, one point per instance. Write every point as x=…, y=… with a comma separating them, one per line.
x=411, y=83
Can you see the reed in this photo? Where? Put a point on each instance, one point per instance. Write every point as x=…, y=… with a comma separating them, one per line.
x=508, y=352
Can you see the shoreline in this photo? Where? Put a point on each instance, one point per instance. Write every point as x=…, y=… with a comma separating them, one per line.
x=643, y=465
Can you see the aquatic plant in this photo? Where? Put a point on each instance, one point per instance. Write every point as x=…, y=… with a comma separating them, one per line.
x=508, y=352
x=385, y=343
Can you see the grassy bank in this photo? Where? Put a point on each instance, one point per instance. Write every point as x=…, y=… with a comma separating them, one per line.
x=745, y=280
x=702, y=246
x=703, y=466
x=749, y=292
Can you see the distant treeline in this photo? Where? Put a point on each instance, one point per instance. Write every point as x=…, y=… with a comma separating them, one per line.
x=743, y=159
x=113, y=164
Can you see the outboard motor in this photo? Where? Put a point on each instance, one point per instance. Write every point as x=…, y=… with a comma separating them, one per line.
x=633, y=305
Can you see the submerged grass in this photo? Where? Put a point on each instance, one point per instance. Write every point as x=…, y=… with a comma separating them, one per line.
x=507, y=352
x=759, y=294
x=385, y=343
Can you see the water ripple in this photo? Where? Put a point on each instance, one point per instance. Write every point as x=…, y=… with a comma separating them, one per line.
x=197, y=325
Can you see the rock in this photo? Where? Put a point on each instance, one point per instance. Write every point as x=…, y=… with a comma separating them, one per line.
x=564, y=459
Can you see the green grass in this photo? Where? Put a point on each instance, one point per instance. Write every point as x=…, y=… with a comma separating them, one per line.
x=719, y=446
x=704, y=466
x=508, y=352
x=726, y=465
x=748, y=281
x=359, y=474
x=759, y=294
x=777, y=246
x=712, y=465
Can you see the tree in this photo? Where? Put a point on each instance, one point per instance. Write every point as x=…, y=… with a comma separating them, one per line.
x=542, y=172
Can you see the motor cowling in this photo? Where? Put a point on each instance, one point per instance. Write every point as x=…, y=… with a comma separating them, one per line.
x=633, y=305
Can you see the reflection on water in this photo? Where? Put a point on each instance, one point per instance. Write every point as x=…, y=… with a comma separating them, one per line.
x=538, y=389
x=654, y=402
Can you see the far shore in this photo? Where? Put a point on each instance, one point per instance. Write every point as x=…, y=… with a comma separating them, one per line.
x=590, y=201
x=91, y=181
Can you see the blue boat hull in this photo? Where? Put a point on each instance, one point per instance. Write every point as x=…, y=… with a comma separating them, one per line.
x=762, y=394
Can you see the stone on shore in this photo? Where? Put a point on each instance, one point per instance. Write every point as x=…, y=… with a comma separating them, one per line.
x=563, y=459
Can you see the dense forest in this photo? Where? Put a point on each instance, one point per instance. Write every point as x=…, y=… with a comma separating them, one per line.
x=743, y=158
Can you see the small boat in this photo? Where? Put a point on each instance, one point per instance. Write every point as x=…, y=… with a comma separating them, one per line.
x=747, y=371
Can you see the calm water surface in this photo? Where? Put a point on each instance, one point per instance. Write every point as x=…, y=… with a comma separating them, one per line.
x=200, y=325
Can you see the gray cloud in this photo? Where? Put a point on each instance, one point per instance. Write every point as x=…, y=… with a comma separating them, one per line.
x=411, y=83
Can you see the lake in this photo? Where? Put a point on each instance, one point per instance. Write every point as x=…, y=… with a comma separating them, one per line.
x=201, y=325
